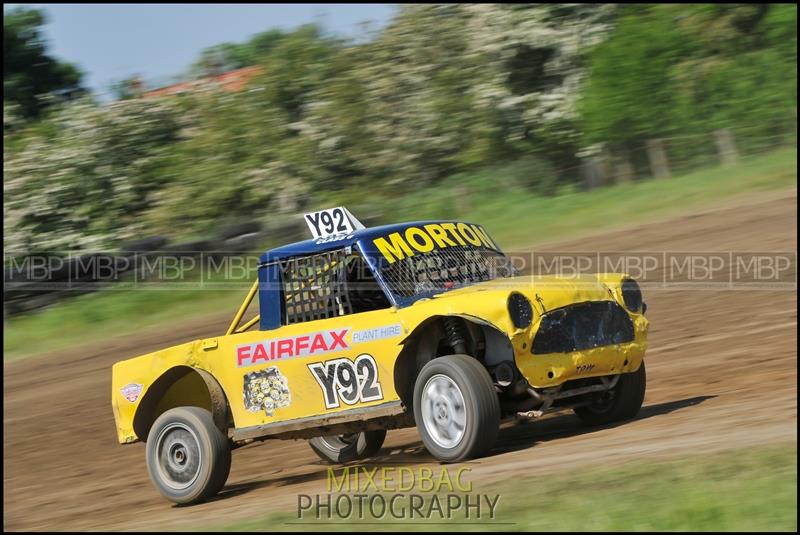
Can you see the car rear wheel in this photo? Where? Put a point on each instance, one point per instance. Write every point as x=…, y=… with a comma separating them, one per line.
x=188, y=457
x=620, y=403
x=456, y=408
x=350, y=447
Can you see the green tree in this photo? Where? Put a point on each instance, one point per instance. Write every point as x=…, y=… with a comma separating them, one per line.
x=629, y=94
x=30, y=75
x=86, y=179
x=442, y=89
x=742, y=69
x=230, y=56
x=688, y=69
x=127, y=88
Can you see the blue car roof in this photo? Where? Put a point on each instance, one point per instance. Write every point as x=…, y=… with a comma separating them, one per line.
x=319, y=245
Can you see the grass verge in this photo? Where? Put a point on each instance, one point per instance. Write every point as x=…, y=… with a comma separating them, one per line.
x=738, y=490
x=516, y=218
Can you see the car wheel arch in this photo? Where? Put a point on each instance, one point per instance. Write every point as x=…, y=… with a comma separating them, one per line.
x=165, y=393
x=428, y=340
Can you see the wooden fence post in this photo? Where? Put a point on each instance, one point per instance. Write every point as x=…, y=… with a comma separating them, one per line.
x=463, y=200
x=726, y=148
x=659, y=165
x=593, y=172
x=623, y=168
x=287, y=201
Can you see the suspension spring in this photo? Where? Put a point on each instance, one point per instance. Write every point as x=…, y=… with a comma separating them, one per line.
x=456, y=335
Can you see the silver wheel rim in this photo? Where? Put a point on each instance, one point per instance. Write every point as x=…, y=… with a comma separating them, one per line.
x=178, y=456
x=444, y=413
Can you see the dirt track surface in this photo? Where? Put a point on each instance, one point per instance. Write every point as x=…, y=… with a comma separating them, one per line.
x=722, y=373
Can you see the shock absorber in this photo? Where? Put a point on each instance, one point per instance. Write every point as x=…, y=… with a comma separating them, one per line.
x=456, y=334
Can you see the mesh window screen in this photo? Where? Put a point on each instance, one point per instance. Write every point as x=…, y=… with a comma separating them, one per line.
x=443, y=269
x=314, y=288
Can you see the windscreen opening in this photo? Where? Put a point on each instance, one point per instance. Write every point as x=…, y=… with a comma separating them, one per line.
x=444, y=269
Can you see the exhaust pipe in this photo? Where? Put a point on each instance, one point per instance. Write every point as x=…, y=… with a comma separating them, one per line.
x=543, y=401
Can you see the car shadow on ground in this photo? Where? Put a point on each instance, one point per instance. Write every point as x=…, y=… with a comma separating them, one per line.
x=513, y=437
x=527, y=434
x=412, y=453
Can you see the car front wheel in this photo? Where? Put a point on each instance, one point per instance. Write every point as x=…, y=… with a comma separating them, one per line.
x=456, y=408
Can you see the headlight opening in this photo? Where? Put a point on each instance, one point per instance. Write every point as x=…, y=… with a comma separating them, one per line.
x=520, y=310
x=632, y=295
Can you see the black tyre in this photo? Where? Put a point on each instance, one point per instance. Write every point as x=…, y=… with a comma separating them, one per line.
x=346, y=448
x=456, y=408
x=620, y=403
x=188, y=457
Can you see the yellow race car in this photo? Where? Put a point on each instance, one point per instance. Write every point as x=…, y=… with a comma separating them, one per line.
x=361, y=330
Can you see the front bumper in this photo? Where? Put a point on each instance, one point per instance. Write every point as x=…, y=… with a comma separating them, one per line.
x=553, y=369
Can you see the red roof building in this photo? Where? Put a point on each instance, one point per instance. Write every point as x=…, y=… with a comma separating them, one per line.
x=231, y=81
